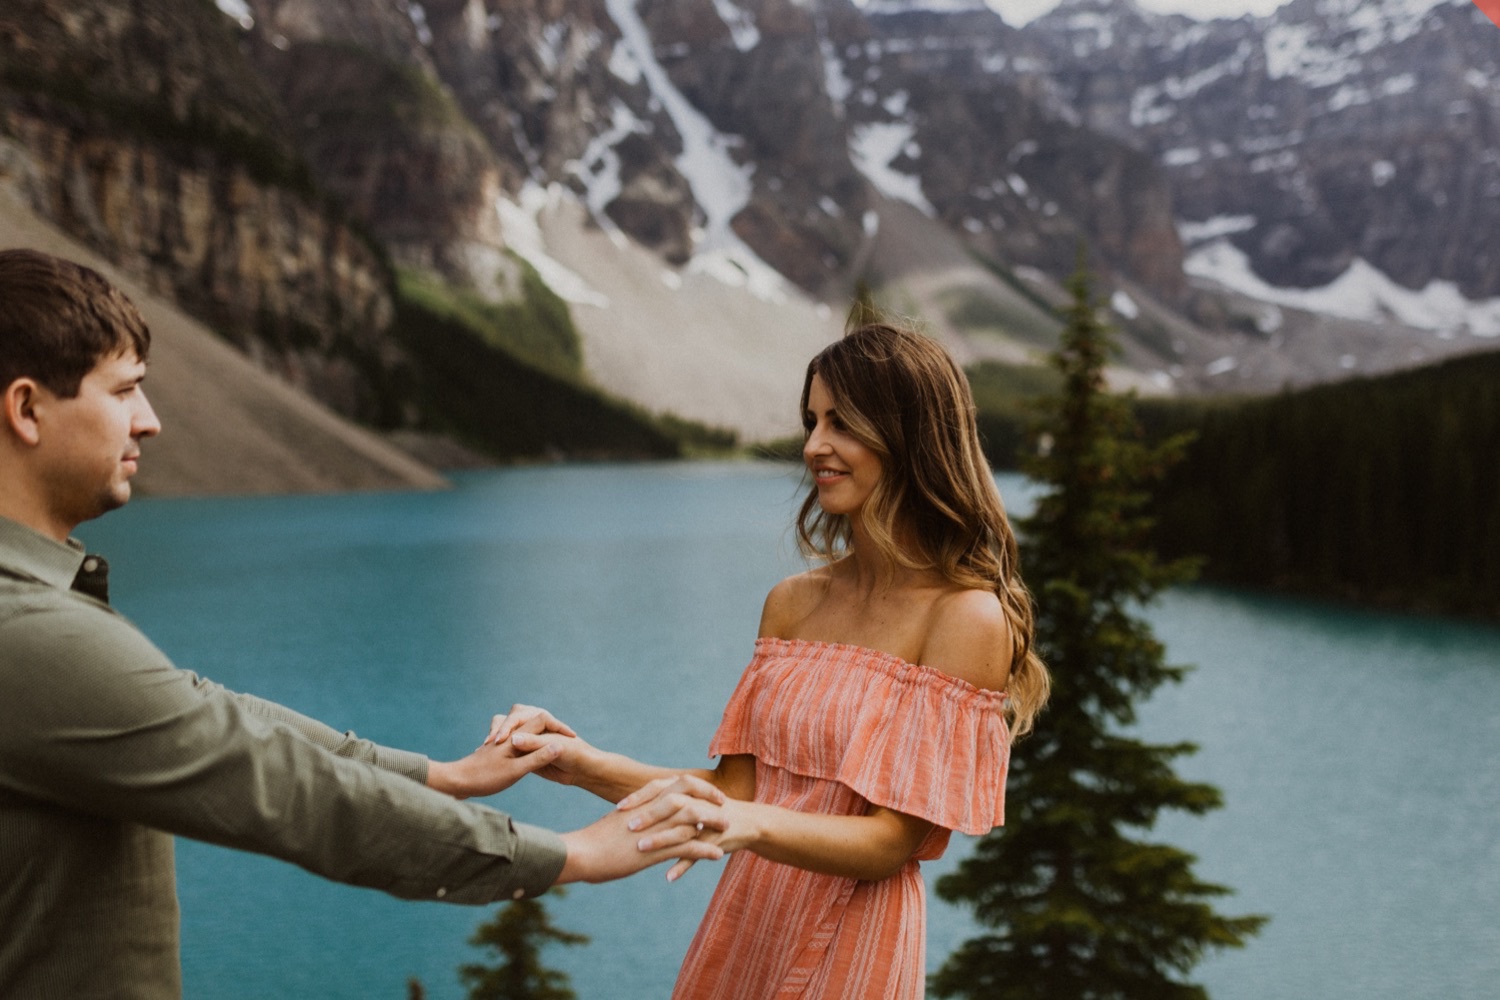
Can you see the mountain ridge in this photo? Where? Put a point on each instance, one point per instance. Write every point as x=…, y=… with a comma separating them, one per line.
x=750, y=163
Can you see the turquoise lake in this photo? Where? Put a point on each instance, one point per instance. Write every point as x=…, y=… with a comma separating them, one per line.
x=1357, y=752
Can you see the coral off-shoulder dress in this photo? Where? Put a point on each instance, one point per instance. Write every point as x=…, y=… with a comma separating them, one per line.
x=837, y=729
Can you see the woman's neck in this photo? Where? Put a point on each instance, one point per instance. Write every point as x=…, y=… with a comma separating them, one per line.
x=871, y=569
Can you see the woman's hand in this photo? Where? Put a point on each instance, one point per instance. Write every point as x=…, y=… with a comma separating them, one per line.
x=528, y=719
x=678, y=821
x=669, y=810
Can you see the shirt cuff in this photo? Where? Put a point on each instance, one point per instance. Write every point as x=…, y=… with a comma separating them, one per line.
x=403, y=762
x=539, y=859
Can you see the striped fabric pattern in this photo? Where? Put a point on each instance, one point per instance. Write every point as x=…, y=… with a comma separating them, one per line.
x=834, y=729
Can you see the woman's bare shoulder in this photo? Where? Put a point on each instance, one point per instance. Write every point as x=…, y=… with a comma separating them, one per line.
x=792, y=600
x=969, y=637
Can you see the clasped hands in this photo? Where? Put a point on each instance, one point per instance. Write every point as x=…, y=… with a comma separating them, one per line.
x=679, y=816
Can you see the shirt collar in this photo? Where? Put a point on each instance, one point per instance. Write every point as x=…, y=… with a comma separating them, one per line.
x=34, y=554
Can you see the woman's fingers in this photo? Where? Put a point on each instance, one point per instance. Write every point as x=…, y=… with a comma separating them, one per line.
x=526, y=717
x=679, y=817
x=679, y=784
x=674, y=819
x=686, y=853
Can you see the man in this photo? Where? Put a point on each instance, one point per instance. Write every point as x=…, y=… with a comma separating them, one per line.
x=107, y=750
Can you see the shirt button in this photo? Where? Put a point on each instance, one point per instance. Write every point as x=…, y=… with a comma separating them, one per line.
x=518, y=894
x=441, y=893
x=91, y=565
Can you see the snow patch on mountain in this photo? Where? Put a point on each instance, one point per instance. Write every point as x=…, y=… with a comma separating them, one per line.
x=1192, y=233
x=523, y=235
x=418, y=18
x=740, y=23
x=1361, y=293
x=938, y=6
x=598, y=168
x=836, y=82
x=874, y=147
x=238, y=10
x=1294, y=49
x=1146, y=105
x=720, y=186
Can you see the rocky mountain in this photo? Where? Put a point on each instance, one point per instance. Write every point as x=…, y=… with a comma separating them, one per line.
x=1266, y=200
x=144, y=131
x=1330, y=132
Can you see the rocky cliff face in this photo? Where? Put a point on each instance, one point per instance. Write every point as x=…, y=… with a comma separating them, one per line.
x=1001, y=159
x=760, y=77
x=144, y=133
x=1332, y=130
x=616, y=100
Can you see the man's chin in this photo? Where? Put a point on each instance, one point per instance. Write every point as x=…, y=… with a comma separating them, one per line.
x=114, y=499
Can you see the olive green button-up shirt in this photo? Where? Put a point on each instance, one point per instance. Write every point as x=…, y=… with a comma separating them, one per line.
x=107, y=749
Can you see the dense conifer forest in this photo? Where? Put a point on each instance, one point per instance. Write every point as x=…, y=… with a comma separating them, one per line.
x=1382, y=490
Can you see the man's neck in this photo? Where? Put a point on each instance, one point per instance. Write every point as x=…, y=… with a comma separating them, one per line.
x=17, y=505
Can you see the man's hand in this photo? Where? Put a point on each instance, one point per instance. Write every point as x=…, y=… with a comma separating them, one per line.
x=572, y=759
x=488, y=770
x=680, y=812
x=497, y=764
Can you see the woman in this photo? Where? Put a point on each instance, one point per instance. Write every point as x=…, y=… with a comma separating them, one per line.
x=872, y=720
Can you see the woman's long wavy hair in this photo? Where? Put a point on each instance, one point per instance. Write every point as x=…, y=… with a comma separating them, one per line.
x=935, y=506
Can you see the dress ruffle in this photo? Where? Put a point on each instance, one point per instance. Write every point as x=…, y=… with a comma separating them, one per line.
x=903, y=736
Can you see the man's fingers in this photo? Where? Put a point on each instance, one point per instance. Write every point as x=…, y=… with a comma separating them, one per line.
x=538, y=759
x=686, y=854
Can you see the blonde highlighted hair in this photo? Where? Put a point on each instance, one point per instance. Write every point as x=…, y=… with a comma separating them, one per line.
x=935, y=506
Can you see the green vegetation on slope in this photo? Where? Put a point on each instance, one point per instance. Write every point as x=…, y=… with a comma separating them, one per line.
x=1382, y=490
x=478, y=378
x=976, y=312
x=534, y=327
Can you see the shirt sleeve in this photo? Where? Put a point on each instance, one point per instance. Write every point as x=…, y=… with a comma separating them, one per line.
x=342, y=744
x=94, y=718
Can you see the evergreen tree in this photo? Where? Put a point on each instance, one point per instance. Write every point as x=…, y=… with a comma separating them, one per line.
x=1079, y=909
x=516, y=934
x=863, y=309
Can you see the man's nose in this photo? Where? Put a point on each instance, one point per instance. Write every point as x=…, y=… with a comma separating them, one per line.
x=146, y=423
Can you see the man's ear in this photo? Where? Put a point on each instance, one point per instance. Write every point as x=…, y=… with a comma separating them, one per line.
x=19, y=414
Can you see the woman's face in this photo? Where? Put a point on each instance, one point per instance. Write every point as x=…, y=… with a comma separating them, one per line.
x=844, y=470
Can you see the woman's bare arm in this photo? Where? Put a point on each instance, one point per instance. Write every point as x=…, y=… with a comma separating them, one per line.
x=872, y=846
x=612, y=776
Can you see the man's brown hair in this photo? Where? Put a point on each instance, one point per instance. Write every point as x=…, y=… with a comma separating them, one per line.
x=59, y=319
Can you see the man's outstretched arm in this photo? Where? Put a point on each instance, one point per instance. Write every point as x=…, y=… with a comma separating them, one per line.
x=99, y=722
